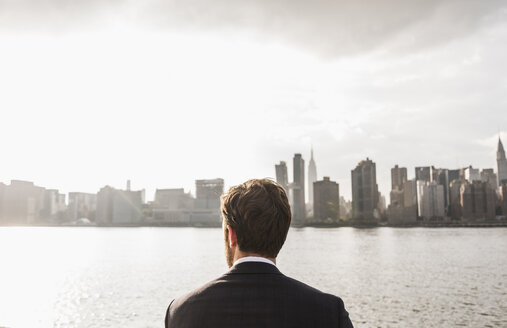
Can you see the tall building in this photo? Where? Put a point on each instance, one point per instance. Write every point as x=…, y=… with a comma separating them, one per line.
x=442, y=178
x=455, y=174
x=281, y=175
x=326, y=196
x=345, y=208
x=396, y=197
x=312, y=177
x=365, y=195
x=298, y=191
x=489, y=176
x=116, y=206
x=455, y=209
x=82, y=205
x=424, y=173
x=501, y=162
x=403, y=207
x=398, y=177
x=410, y=193
x=503, y=198
x=430, y=200
x=478, y=201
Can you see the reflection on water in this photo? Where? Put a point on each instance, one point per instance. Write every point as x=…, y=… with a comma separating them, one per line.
x=112, y=277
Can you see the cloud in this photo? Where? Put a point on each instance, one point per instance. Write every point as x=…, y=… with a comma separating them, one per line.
x=329, y=28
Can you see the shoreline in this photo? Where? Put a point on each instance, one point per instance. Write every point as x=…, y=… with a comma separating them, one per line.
x=496, y=224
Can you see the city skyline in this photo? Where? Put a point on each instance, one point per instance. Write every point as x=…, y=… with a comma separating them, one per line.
x=434, y=196
x=342, y=178
x=398, y=174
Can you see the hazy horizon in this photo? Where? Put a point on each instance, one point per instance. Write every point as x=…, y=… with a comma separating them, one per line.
x=163, y=93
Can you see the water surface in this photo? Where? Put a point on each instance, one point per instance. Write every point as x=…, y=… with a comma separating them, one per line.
x=126, y=277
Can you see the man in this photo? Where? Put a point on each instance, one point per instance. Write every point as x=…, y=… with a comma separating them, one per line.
x=254, y=293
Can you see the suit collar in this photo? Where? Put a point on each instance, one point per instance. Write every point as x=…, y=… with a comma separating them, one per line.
x=254, y=267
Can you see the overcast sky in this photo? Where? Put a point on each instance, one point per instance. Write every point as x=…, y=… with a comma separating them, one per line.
x=164, y=92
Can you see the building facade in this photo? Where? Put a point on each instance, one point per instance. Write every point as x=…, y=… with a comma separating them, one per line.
x=398, y=177
x=489, y=176
x=54, y=206
x=172, y=206
x=471, y=174
x=326, y=196
x=298, y=191
x=82, y=205
x=206, y=211
x=312, y=177
x=430, y=200
x=478, y=201
x=119, y=207
x=503, y=198
x=282, y=176
x=208, y=192
x=21, y=203
x=365, y=195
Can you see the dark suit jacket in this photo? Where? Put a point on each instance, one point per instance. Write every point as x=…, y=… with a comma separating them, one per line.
x=256, y=294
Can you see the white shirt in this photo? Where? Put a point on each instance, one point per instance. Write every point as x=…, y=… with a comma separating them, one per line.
x=253, y=259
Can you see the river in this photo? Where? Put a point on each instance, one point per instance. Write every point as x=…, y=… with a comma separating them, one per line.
x=125, y=277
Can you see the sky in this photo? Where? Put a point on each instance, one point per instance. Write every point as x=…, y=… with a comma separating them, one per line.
x=93, y=93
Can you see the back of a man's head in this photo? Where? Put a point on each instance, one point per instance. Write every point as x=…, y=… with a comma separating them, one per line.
x=259, y=212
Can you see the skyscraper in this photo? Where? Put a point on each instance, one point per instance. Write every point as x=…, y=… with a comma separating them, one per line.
x=398, y=177
x=365, y=196
x=298, y=191
x=489, y=176
x=501, y=162
x=312, y=177
x=281, y=175
x=478, y=201
x=326, y=204
x=430, y=200
x=423, y=173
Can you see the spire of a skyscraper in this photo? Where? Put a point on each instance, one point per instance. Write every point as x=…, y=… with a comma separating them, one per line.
x=312, y=177
x=501, y=163
x=500, y=154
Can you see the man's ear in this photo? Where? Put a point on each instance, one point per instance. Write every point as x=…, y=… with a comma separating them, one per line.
x=233, y=239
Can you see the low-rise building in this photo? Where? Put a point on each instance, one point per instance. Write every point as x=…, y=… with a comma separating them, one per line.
x=119, y=207
x=21, y=203
x=82, y=206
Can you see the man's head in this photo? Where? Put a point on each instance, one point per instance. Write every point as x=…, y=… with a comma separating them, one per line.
x=256, y=218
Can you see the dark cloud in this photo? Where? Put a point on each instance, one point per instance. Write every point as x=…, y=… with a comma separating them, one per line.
x=327, y=27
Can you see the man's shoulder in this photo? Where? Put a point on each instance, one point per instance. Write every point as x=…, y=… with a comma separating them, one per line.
x=311, y=294
x=227, y=285
x=198, y=292
x=255, y=292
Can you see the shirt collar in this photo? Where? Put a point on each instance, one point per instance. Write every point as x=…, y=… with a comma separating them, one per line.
x=253, y=259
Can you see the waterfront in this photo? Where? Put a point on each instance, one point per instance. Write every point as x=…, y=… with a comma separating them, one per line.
x=388, y=277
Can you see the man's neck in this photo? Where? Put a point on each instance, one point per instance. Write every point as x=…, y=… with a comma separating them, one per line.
x=239, y=254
